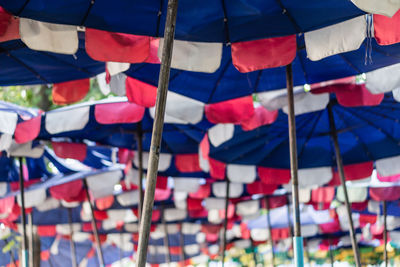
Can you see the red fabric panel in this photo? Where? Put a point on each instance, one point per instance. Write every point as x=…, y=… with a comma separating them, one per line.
x=116, y=47
x=323, y=194
x=211, y=238
x=217, y=169
x=329, y=228
x=175, y=250
x=141, y=93
x=197, y=214
x=70, y=92
x=87, y=227
x=68, y=191
x=231, y=212
x=393, y=178
x=156, y=215
x=125, y=155
x=27, y=130
x=194, y=204
x=353, y=172
x=125, y=187
x=104, y=203
x=7, y=204
x=367, y=218
x=263, y=54
x=210, y=228
x=203, y=192
x=187, y=162
x=100, y=215
x=376, y=230
x=162, y=194
x=162, y=182
x=258, y=187
x=280, y=233
x=321, y=205
x=261, y=116
x=153, y=54
x=385, y=193
x=46, y=230
x=230, y=111
x=45, y=255
x=275, y=202
x=359, y=206
x=15, y=185
x=67, y=150
x=124, y=112
x=244, y=231
x=91, y=253
x=387, y=30
x=15, y=213
x=9, y=26
x=273, y=176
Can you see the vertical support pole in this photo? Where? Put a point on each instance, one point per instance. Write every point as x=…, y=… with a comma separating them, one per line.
x=225, y=221
x=339, y=164
x=297, y=239
x=270, y=231
x=139, y=141
x=331, y=252
x=166, y=241
x=94, y=226
x=23, y=216
x=30, y=224
x=289, y=219
x=385, y=255
x=71, y=240
x=161, y=102
x=182, y=244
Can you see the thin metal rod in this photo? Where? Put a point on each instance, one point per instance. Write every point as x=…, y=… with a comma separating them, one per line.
x=139, y=141
x=297, y=239
x=385, y=254
x=166, y=241
x=71, y=240
x=182, y=244
x=331, y=252
x=30, y=224
x=23, y=216
x=289, y=219
x=270, y=230
x=225, y=221
x=94, y=226
x=339, y=164
x=161, y=101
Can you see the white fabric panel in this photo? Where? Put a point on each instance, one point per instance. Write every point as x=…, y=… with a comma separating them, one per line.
x=184, y=108
x=33, y=198
x=122, y=215
x=118, y=239
x=86, y=214
x=314, y=177
x=374, y=207
x=102, y=185
x=191, y=249
x=5, y=141
x=3, y=188
x=213, y=249
x=309, y=103
x=285, y=245
x=356, y=194
x=64, y=229
x=8, y=122
x=248, y=207
x=194, y=56
x=117, y=84
x=4, y=233
x=180, y=200
x=241, y=173
x=237, y=230
x=131, y=227
x=186, y=184
x=243, y=243
x=44, y=36
x=201, y=237
x=366, y=233
x=383, y=80
x=221, y=133
x=131, y=177
x=66, y=120
x=393, y=222
x=115, y=68
x=277, y=99
x=84, y=262
x=213, y=217
x=309, y=230
x=344, y=222
x=173, y=228
x=128, y=198
x=396, y=94
x=388, y=166
x=163, y=164
x=108, y=224
x=158, y=233
x=54, y=246
x=174, y=215
x=383, y=7
x=335, y=39
x=26, y=150
x=203, y=162
x=258, y=234
x=235, y=189
x=28, y=229
x=313, y=244
x=190, y=228
x=103, y=85
x=304, y=195
x=80, y=236
x=212, y=203
x=72, y=204
x=200, y=260
x=49, y=204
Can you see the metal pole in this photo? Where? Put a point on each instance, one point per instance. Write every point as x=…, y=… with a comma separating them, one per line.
x=182, y=244
x=331, y=252
x=339, y=164
x=385, y=255
x=23, y=216
x=162, y=90
x=30, y=224
x=289, y=219
x=94, y=226
x=297, y=239
x=71, y=241
x=139, y=141
x=270, y=230
x=166, y=241
x=225, y=221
